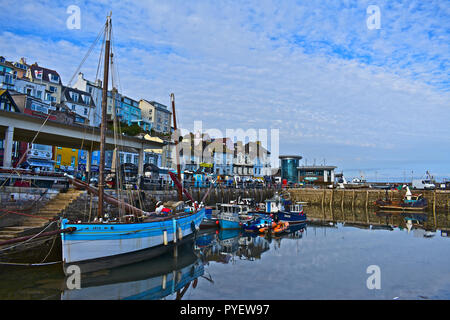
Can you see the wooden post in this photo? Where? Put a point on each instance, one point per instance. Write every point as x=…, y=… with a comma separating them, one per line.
x=367, y=216
x=323, y=197
x=434, y=209
x=331, y=199
x=353, y=200
x=342, y=201
x=367, y=199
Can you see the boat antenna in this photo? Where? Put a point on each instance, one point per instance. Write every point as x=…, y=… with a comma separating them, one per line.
x=101, y=169
x=177, y=154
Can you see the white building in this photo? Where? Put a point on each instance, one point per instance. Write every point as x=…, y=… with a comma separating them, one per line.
x=81, y=103
x=95, y=90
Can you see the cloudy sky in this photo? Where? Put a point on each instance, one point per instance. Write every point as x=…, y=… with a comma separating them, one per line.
x=370, y=101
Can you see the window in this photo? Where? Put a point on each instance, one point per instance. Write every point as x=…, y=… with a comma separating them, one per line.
x=86, y=99
x=38, y=107
x=58, y=159
x=128, y=158
x=54, y=78
x=74, y=96
x=80, y=119
x=85, y=111
x=9, y=78
x=39, y=94
x=72, y=162
x=52, y=89
x=74, y=107
x=121, y=158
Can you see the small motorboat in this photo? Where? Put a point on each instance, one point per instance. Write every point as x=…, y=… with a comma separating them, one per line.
x=280, y=227
x=259, y=224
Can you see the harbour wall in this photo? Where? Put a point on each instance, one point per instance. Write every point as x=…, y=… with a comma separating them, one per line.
x=364, y=198
x=85, y=207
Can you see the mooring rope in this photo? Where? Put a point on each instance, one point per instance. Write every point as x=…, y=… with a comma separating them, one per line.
x=20, y=243
x=22, y=214
x=29, y=264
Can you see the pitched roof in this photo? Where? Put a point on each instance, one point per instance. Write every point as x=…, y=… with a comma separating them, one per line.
x=45, y=73
x=11, y=100
x=67, y=97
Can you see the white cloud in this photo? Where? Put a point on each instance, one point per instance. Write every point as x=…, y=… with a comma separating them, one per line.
x=312, y=70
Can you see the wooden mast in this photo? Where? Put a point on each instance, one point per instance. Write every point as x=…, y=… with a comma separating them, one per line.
x=177, y=156
x=101, y=175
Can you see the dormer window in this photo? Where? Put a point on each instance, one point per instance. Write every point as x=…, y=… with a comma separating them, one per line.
x=74, y=96
x=54, y=78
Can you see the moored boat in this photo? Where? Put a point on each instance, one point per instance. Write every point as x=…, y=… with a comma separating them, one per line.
x=232, y=216
x=411, y=202
x=280, y=227
x=259, y=224
x=282, y=209
x=94, y=246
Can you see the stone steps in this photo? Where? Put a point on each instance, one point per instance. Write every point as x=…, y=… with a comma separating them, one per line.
x=49, y=212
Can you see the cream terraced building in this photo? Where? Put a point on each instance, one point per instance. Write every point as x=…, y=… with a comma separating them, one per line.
x=157, y=114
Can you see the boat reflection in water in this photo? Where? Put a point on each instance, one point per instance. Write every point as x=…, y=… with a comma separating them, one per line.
x=169, y=276
x=149, y=280
x=409, y=219
x=226, y=246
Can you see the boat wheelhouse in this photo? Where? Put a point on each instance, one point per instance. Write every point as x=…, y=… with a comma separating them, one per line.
x=231, y=216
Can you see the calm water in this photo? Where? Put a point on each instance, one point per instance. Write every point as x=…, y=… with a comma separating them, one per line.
x=327, y=261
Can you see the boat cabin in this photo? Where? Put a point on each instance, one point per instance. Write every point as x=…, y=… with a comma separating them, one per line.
x=298, y=207
x=273, y=205
x=233, y=208
x=413, y=198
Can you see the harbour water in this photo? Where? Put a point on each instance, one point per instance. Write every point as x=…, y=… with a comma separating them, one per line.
x=324, y=259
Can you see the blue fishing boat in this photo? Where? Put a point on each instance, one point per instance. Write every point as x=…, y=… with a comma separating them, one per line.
x=232, y=216
x=282, y=209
